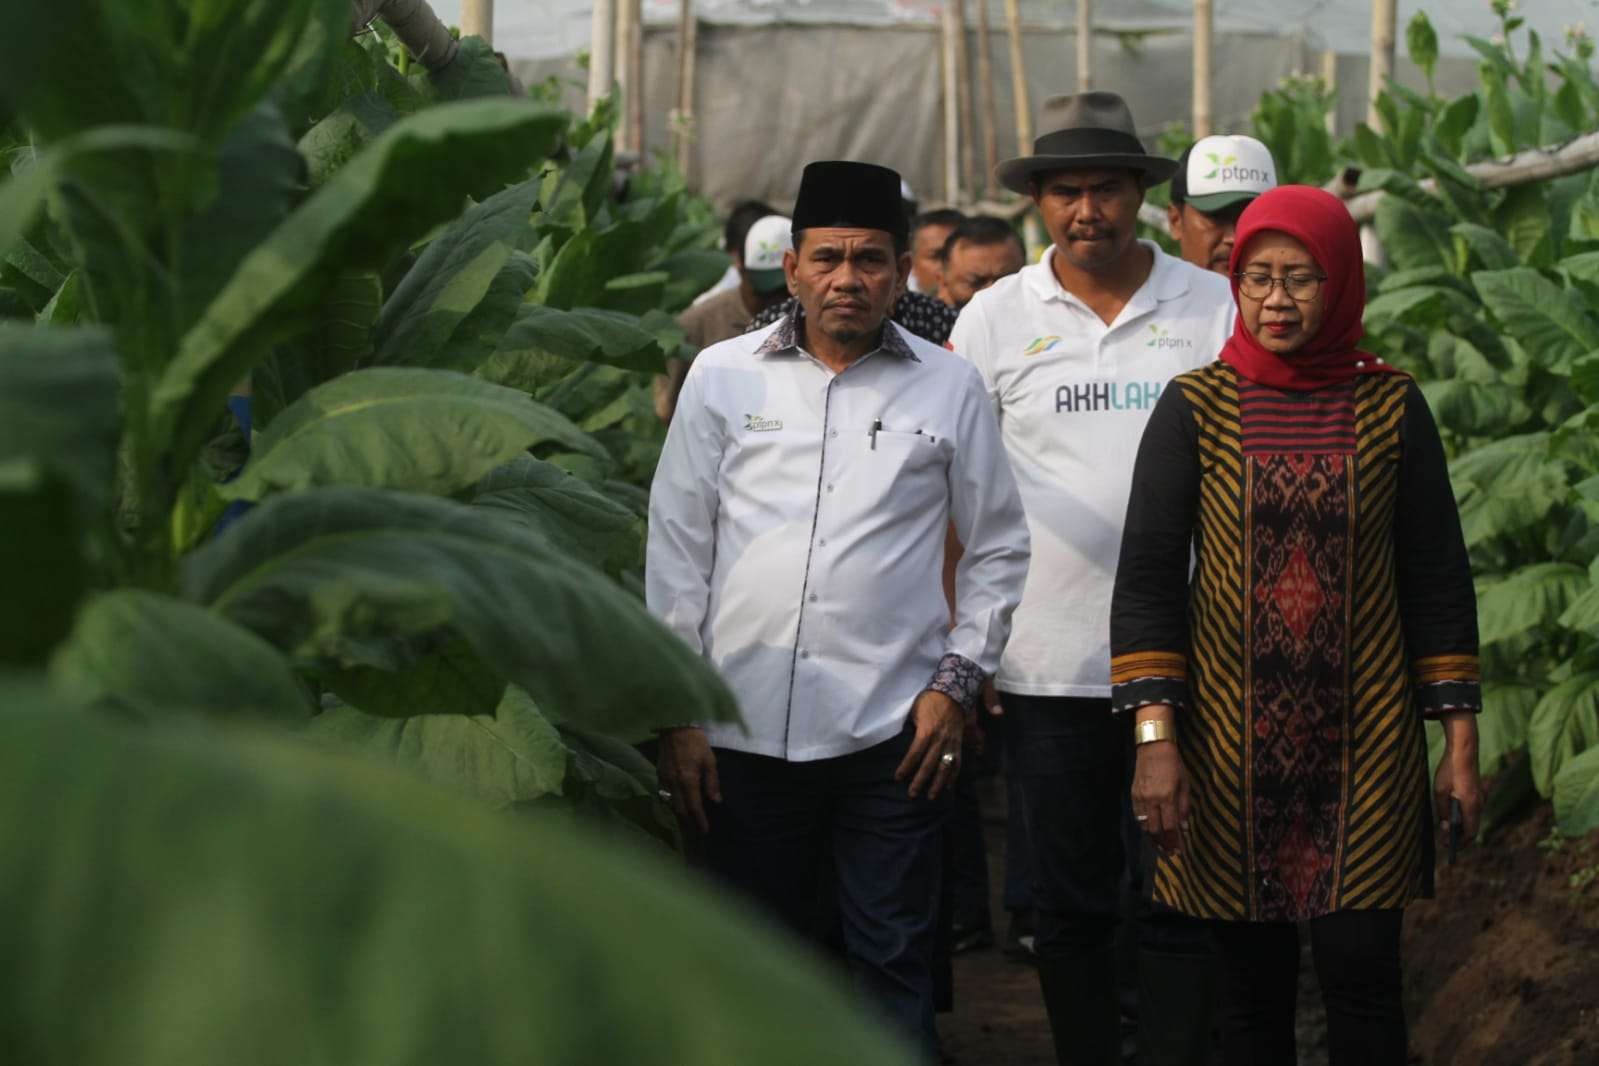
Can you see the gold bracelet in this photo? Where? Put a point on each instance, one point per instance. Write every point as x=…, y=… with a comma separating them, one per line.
x=1152, y=729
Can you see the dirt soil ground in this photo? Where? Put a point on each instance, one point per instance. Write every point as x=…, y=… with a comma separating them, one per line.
x=1502, y=969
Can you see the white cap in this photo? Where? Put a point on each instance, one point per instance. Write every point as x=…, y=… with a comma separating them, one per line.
x=764, y=246
x=1227, y=169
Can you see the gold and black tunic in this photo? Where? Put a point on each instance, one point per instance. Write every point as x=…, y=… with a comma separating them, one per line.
x=1328, y=610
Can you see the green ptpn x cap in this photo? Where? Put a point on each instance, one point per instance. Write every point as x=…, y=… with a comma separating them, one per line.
x=764, y=246
x=1222, y=171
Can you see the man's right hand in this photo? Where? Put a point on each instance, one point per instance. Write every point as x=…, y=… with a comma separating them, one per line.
x=687, y=770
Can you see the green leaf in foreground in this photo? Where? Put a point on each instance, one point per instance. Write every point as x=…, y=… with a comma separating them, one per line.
x=585, y=334
x=338, y=574
x=369, y=209
x=396, y=427
x=1565, y=722
x=149, y=655
x=1576, y=794
x=255, y=902
x=568, y=513
x=1551, y=323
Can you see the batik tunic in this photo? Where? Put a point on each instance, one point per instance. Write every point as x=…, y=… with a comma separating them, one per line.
x=1328, y=610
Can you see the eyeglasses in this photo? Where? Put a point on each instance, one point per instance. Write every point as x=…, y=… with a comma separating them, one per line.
x=1299, y=287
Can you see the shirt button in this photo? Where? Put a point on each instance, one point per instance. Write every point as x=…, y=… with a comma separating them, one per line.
x=814, y=597
x=832, y=433
x=804, y=654
x=829, y=488
x=822, y=543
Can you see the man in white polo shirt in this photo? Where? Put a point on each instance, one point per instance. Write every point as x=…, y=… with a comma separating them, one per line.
x=1075, y=350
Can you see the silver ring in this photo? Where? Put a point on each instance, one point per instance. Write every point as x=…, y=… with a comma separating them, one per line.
x=1142, y=817
x=664, y=794
x=948, y=758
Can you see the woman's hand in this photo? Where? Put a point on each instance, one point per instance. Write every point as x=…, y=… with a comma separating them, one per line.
x=1458, y=776
x=1160, y=785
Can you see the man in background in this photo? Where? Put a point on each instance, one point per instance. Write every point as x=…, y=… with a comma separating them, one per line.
x=978, y=252
x=761, y=284
x=929, y=231
x=1217, y=177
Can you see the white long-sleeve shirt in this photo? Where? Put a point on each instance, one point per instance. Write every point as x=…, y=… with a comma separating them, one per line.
x=797, y=527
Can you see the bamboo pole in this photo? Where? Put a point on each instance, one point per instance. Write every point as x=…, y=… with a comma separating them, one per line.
x=985, y=90
x=602, y=51
x=1329, y=81
x=1018, y=78
x=963, y=80
x=683, y=120
x=1085, y=45
x=1202, y=56
x=622, y=38
x=952, y=119
x=1382, y=57
x=477, y=19
x=1523, y=168
x=635, y=81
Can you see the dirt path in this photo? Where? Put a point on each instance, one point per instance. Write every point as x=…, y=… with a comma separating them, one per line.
x=1502, y=969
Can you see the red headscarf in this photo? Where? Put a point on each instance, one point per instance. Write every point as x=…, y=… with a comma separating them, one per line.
x=1320, y=221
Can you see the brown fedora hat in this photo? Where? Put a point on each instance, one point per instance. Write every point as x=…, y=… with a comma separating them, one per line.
x=1092, y=129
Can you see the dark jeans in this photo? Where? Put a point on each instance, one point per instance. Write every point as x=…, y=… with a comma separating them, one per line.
x=1067, y=758
x=785, y=828
x=1357, y=961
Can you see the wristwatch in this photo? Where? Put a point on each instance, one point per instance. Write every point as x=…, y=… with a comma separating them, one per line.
x=1152, y=729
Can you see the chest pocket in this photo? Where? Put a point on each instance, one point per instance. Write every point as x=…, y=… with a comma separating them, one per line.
x=907, y=463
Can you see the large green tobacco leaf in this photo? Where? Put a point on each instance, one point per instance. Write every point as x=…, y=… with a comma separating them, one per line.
x=342, y=133
x=336, y=575
x=374, y=206
x=339, y=340
x=1565, y=722
x=511, y=755
x=566, y=512
x=397, y=427
x=1413, y=236
x=177, y=899
x=452, y=275
x=478, y=336
x=586, y=335
x=1532, y=597
x=1550, y=323
x=1506, y=486
x=1576, y=795
x=148, y=655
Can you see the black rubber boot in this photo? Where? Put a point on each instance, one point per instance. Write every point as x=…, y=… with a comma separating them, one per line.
x=1176, y=998
x=1080, y=994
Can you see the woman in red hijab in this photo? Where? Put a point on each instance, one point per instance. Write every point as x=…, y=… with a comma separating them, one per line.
x=1278, y=690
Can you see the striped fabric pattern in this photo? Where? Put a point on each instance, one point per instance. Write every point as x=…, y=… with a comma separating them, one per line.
x=1318, y=423
x=1377, y=858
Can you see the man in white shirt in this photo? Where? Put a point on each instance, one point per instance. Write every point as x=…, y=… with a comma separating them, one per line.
x=1074, y=351
x=797, y=524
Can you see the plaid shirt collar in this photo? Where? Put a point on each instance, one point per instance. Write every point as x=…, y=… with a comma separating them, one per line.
x=785, y=337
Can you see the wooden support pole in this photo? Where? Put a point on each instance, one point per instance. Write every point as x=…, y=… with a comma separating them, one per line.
x=963, y=80
x=477, y=19
x=1202, y=56
x=602, y=51
x=1018, y=78
x=1382, y=57
x=635, y=81
x=683, y=119
x=622, y=37
x=1523, y=168
x=1085, y=45
x=1329, y=82
x=949, y=30
x=985, y=91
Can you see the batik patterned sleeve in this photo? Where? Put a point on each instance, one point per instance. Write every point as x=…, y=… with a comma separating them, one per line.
x=1149, y=609
x=1437, y=603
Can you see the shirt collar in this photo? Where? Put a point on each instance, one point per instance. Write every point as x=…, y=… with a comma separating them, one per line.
x=783, y=337
x=1167, y=279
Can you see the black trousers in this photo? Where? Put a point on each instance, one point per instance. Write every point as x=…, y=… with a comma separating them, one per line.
x=841, y=831
x=1357, y=961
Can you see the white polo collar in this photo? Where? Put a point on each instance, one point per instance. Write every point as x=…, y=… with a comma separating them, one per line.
x=1167, y=280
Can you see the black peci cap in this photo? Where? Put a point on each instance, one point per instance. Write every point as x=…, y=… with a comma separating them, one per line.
x=842, y=193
